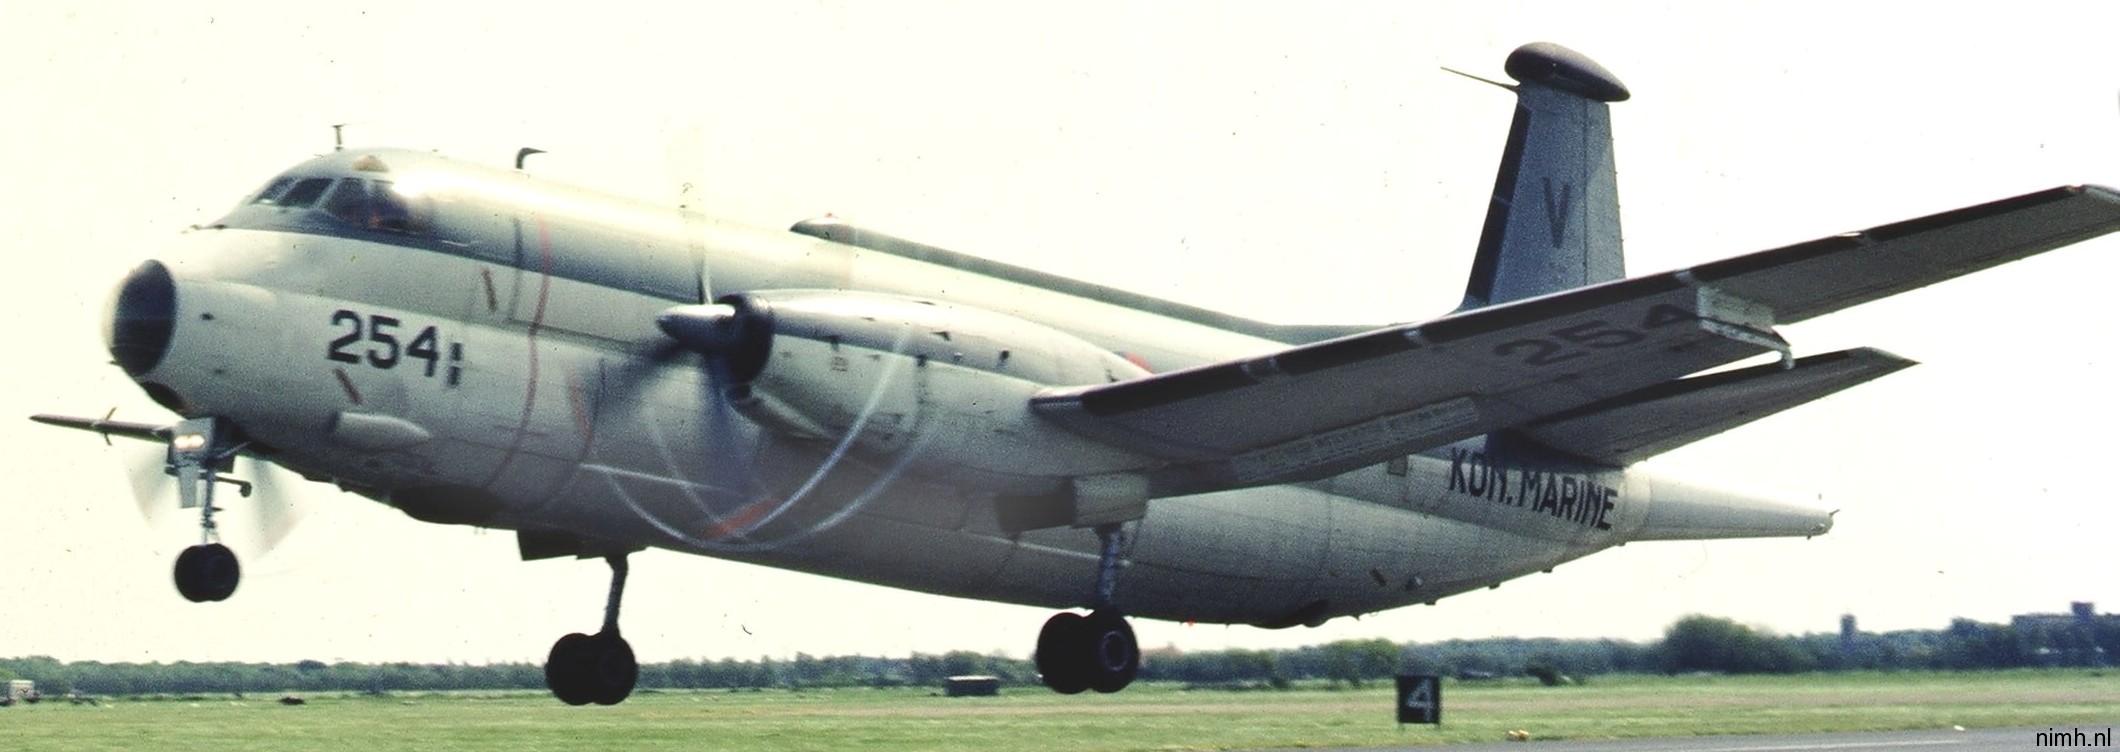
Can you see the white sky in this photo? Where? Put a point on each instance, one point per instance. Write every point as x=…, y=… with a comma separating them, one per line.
x=1297, y=164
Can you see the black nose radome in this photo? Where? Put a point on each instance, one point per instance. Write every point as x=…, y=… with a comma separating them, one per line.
x=143, y=318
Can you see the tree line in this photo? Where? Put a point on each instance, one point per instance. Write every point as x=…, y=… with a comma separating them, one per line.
x=1694, y=643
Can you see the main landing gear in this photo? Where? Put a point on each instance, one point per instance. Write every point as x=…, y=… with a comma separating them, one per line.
x=1096, y=651
x=198, y=454
x=597, y=668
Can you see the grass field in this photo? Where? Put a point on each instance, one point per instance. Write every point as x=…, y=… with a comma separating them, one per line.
x=1142, y=718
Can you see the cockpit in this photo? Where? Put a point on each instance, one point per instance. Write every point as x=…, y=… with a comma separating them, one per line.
x=420, y=200
x=371, y=202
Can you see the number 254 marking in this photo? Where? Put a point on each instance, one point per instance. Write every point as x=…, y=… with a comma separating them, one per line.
x=385, y=350
x=1569, y=343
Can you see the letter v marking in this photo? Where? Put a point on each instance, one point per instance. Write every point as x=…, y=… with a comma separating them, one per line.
x=1557, y=211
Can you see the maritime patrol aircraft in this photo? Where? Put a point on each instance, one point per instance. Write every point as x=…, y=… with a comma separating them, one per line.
x=476, y=346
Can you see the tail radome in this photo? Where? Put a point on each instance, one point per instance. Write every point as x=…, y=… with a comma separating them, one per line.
x=1553, y=224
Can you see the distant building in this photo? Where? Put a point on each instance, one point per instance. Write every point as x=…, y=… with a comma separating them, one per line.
x=2069, y=639
x=1847, y=632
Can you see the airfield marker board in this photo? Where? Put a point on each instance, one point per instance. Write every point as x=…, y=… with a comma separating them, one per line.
x=1420, y=699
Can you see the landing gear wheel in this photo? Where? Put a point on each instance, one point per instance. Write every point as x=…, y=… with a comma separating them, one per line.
x=598, y=668
x=207, y=573
x=1098, y=651
x=1063, y=654
x=1114, y=656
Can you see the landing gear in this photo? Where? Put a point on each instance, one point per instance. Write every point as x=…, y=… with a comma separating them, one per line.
x=1097, y=651
x=207, y=572
x=198, y=454
x=597, y=668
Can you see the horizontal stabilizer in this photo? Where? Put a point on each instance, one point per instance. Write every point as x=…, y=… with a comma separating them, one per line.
x=1664, y=417
x=108, y=427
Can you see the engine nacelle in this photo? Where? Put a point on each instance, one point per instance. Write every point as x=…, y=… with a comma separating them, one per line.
x=944, y=387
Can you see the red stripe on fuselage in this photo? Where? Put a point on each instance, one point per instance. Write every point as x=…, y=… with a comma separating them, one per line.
x=537, y=322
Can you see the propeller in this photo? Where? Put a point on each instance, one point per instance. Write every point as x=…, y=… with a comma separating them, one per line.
x=714, y=331
x=255, y=511
x=733, y=338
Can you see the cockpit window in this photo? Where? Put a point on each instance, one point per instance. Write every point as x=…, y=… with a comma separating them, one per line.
x=292, y=194
x=376, y=205
x=272, y=192
x=349, y=201
x=398, y=212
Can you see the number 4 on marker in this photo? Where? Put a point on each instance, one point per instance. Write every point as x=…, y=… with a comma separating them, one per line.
x=1422, y=698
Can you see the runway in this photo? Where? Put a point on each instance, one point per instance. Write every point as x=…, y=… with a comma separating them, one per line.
x=1876, y=741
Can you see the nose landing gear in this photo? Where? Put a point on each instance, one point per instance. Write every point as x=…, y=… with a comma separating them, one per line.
x=1097, y=651
x=198, y=454
x=597, y=668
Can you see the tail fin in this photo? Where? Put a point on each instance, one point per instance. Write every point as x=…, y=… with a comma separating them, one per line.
x=1554, y=221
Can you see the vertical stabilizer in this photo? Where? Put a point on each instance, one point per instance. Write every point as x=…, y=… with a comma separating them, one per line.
x=1554, y=221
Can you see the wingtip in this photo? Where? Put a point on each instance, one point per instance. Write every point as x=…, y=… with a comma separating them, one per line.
x=2102, y=192
x=1884, y=356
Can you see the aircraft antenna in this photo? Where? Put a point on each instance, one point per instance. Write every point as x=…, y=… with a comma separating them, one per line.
x=1478, y=78
x=524, y=153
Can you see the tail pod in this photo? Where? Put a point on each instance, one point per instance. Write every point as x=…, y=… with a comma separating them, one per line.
x=1553, y=224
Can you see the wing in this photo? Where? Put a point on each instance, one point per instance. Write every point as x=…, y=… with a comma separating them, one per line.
x=1318, y=409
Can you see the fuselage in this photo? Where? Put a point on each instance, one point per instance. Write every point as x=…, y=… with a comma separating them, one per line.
x=475, y=346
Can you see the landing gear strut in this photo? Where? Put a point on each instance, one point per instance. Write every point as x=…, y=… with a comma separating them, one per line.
x=198, y=454
x=1097, y=651
x=597, y=668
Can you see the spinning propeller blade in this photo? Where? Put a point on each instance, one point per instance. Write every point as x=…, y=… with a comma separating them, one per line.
x=256, y=514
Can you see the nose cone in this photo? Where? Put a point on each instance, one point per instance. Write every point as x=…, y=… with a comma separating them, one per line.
x=142, y=318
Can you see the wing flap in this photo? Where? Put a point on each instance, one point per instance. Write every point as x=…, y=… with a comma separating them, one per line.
x=1664, y=417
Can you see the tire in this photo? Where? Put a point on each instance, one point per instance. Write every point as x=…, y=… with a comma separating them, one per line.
x=1110, y=653
x=207, y=573
x=1063, y=655
x=567, y=669
x=612, y=671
